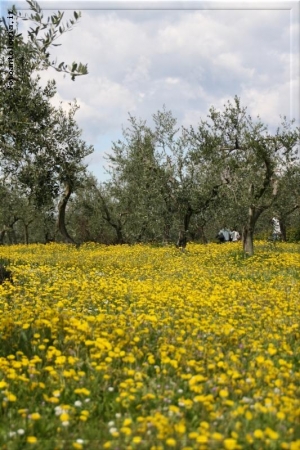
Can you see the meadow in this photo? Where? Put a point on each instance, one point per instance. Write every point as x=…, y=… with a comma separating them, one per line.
x=140, y=347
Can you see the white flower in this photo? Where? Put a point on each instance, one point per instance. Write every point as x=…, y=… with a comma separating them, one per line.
x=12, y=434
x=20, y=431
x=112, y=430
x=78, y=403
x=118, y=415
x=59, y=410
x=111, y=423
x=246, y=400
x=110, y=389
x=80, y=441
x=65, y=423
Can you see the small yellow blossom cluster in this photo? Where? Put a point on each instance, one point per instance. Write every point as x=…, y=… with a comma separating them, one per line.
x=139, y=347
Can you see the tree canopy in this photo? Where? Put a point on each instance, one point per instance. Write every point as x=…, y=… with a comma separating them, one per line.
x=40, y=146
x=169, y=183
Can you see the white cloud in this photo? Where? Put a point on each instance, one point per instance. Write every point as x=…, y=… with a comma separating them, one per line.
x=269, y=103
x=232, y=62
x=189, y=60
x=171, y=80
x=138, y=71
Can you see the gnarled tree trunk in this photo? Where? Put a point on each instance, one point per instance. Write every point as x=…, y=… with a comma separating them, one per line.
x=61, y=223
x=248, y=230
x=9, y=231
x=26, y=230
x=282, y=224
x=202, y=235
x=2, y=234
x=187, y=219
x=248, y=240
x=255, y=211
x=283, y=221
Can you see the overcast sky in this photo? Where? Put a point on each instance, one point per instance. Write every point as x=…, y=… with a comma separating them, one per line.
x=188, y=59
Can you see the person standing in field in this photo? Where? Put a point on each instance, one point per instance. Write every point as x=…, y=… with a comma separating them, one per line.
x=276, y=229
x=235, y=235
x=223, y=235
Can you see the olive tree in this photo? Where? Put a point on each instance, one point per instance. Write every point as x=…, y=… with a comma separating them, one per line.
x=40, y=146
x=248, y=158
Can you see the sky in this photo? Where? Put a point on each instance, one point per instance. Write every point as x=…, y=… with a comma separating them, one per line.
x=187, y=56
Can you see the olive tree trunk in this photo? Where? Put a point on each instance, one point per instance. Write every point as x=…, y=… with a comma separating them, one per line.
x=61, y=222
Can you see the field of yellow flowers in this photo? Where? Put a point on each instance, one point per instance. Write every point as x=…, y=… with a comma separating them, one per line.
x=137, y=347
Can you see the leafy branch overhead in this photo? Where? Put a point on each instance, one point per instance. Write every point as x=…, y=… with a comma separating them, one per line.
x=41, y=151
x=43, y=34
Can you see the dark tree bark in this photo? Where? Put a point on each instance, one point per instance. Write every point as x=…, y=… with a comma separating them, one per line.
x=11, y=234
x=256, y=211
x=2, y=234
x=283, y=229
x=248, y=233
x=117, y=225
x=61, y=223
x=120, y=238
x=182, y=240
x=202, y=235
x=249, y=227
x=187, y=218
x=9, y=231
x=283, y=221
x=26, y=231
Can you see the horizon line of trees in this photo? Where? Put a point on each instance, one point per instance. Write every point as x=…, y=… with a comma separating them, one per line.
x=165, y=181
